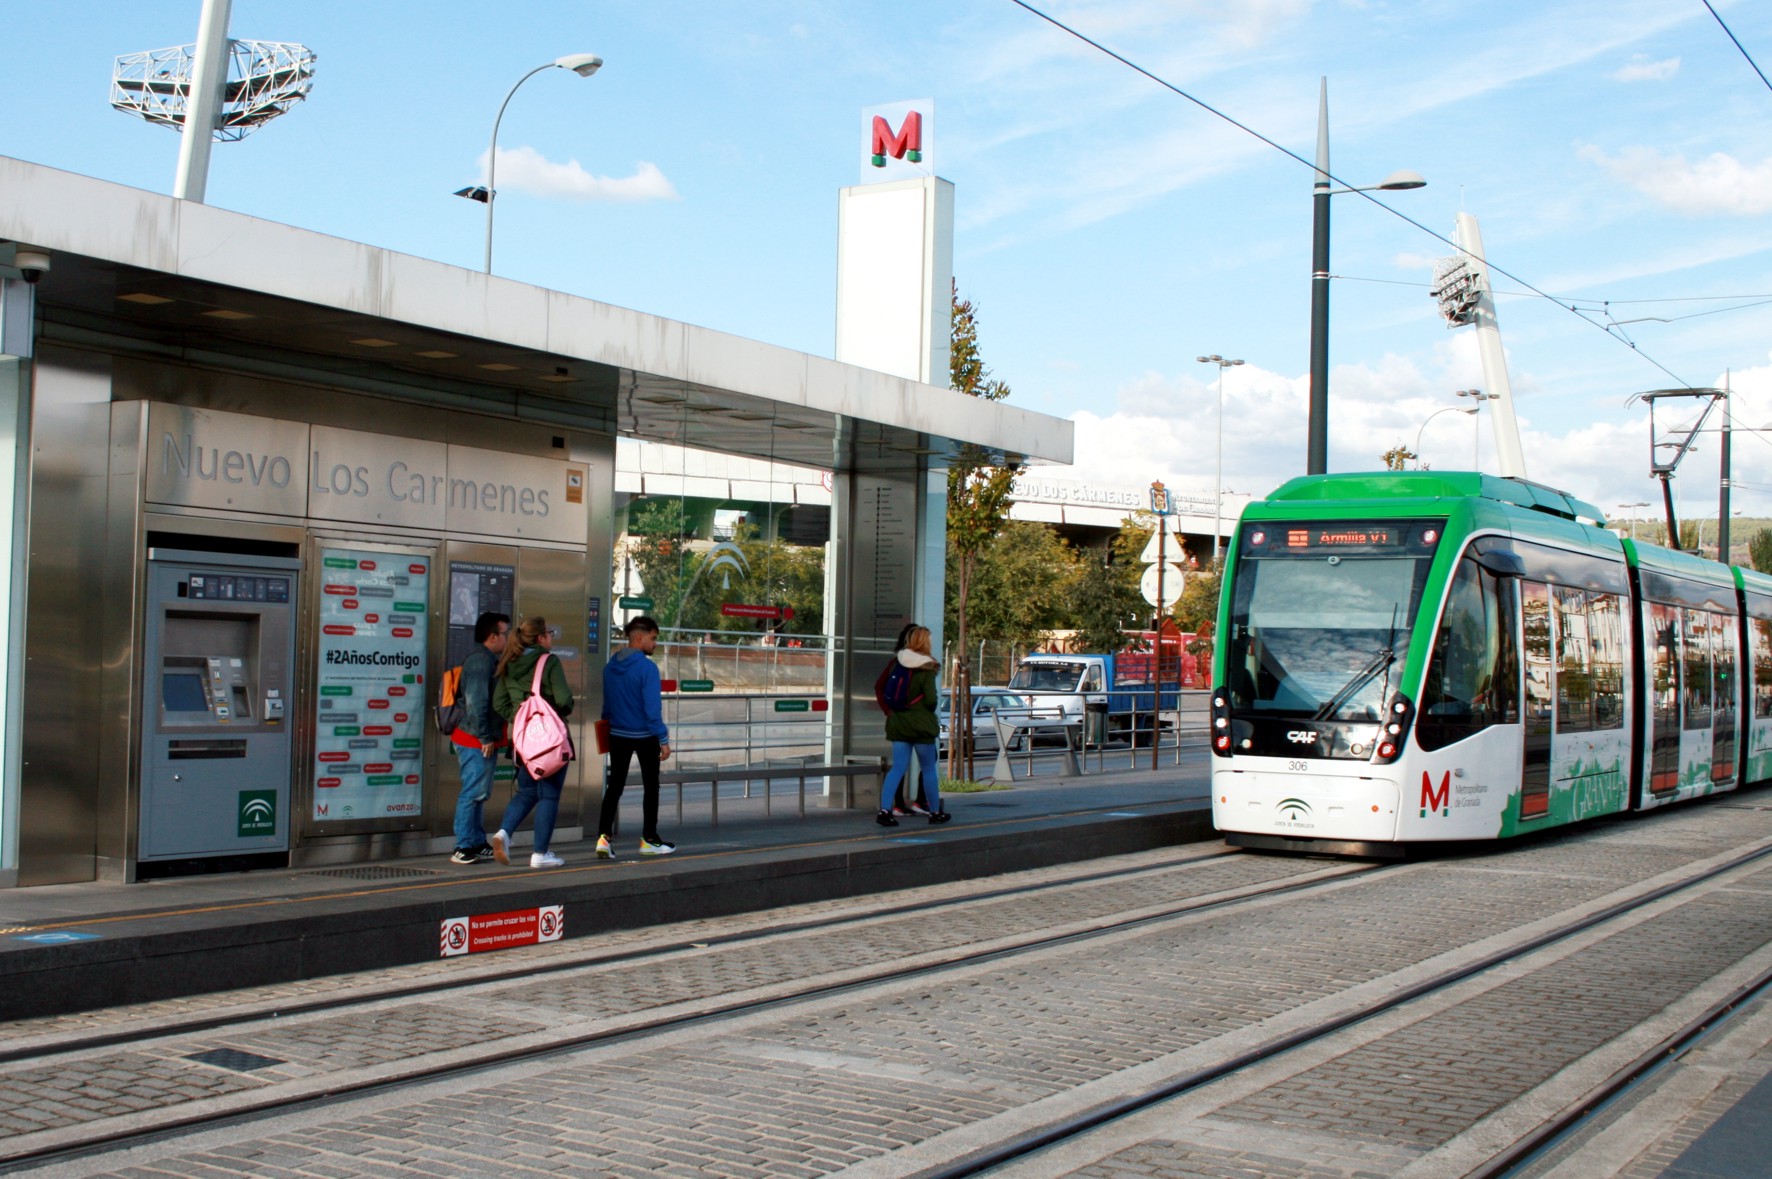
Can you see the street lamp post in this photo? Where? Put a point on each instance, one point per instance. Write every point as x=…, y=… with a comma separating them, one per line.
x=1632, y=508
x=1476, y=429
x=1431, y=417
x=1317, y=456
x=582, y=64
x=1218, y=479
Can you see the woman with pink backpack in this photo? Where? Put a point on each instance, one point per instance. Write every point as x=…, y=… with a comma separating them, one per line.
x=528, y=666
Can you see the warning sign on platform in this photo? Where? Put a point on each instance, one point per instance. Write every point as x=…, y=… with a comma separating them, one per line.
x=501, y=931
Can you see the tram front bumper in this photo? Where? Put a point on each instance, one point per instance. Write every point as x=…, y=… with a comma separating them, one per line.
x=1308, y=808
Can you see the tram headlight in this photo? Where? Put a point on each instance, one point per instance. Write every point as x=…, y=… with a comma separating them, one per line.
x=1221, y=722
x=1395, y=730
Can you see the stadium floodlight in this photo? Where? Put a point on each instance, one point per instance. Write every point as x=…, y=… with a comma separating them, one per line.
x=265, y=79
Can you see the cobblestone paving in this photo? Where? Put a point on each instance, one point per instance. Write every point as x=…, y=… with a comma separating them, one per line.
x=1150, y=1159
x=361, y=1040
x=72, y=1092
x=807, y=1094
x=368, y=982
x=626, y=988
x=1427, y=1083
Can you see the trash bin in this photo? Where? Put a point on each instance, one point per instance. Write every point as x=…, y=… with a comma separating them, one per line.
x=858, y=791
x=1095, y=722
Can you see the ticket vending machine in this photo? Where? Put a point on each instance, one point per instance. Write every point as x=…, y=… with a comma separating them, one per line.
x=219, y=663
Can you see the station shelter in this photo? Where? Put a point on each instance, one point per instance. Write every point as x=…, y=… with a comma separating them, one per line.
x=260, y=481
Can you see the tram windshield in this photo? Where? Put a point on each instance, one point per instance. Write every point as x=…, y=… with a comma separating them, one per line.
x=1322, y=613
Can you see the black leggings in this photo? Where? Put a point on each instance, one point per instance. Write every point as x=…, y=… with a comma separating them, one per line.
x=620, y=750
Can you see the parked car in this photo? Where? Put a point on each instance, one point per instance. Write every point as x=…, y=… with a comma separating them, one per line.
x=1015, y=708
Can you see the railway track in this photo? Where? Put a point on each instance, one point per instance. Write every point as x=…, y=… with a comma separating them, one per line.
x=19, y=1154
x=1128, y=906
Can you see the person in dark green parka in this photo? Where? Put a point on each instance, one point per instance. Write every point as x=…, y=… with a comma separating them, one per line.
x=529, y=643
x=912, y=727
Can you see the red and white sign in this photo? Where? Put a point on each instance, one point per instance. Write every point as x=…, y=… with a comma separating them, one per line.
x=737, y=610
x=898, y=141
x=501, y=931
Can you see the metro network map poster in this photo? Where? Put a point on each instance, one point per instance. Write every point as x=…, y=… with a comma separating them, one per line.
x=370, y=728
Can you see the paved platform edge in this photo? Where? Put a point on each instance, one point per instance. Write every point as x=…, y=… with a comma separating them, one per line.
x=176, y=955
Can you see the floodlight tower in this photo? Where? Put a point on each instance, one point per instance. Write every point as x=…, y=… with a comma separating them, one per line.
x=225, y=89
x=1461, y=287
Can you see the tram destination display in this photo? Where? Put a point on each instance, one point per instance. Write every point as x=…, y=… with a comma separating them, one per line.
x=369, y=725
x=1322, y=538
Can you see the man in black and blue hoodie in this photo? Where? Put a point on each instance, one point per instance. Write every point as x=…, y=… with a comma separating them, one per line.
x=634, y=709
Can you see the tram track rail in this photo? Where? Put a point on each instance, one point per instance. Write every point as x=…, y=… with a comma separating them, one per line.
x=168, y=1125
x=525, y=971
x=1525, y=1151
x=1525, y=1154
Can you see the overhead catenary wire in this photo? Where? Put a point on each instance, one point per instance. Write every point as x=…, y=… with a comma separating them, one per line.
x=1738, y=44
x=1578, y=312
x=1598, y=305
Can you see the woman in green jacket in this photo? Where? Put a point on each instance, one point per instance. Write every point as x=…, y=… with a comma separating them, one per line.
x=510, y=687
x=913, y=728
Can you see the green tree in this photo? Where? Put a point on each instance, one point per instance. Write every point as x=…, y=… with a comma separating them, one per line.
x=656, y=547
x=1019, y=585
x=1759, y=550
x=1198, y=607
x=978, y=507
x=1397, y=458
x=1105, y=598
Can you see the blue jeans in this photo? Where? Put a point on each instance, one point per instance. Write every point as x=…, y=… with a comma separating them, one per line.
x=542, y=795
x=476, y=788
x=901, y=761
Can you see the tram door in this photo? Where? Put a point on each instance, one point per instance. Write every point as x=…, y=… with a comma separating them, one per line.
x=1723, y=694
x=1664, y=692
x=1535, y=779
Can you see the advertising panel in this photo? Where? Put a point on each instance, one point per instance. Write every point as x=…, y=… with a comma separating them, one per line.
x=369, y=728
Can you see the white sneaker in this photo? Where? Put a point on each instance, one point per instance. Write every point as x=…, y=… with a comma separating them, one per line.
x=501, y=846
x=546, y=860
x=663, y=847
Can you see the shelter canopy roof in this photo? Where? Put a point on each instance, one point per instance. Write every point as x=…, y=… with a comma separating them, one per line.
x=135, y=270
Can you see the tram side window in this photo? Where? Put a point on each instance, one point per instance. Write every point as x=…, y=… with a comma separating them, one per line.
x=1606, y=639
x=1575, y=665
x=1695, y=664
x=1535, y=609
x=1472, y=673
x=1762, y=643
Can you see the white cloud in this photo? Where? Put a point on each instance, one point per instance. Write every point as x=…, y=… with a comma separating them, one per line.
x=523, y=169
x=1718, y=183
x=1641, y=69
x=1165, y=427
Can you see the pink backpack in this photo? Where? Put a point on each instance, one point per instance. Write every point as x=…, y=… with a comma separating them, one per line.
x=538, y=735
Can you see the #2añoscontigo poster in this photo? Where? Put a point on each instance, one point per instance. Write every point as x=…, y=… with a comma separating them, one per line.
x=369, y=731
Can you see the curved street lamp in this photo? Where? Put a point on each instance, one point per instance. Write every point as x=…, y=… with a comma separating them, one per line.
x=582, y=64
x=1317, y=455
x=1431, y=417
x=1218, y=479
x=1476, y=430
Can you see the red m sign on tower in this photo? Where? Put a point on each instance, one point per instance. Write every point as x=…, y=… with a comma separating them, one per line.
x=906, y=144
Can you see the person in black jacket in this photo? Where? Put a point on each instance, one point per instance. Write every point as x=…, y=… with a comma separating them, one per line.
x=477, y=737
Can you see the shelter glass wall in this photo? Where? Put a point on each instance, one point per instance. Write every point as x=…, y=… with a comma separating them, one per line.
x=730, y=556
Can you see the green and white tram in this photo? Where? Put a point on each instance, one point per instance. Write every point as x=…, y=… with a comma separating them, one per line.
x=1418, y=656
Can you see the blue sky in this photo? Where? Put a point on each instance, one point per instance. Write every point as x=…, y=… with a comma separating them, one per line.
x=1110, y=231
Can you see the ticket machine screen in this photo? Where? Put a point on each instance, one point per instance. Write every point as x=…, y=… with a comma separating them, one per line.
x=182, y=691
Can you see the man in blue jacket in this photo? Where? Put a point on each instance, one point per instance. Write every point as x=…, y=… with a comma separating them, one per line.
x=634, y=709
x=477, y=737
